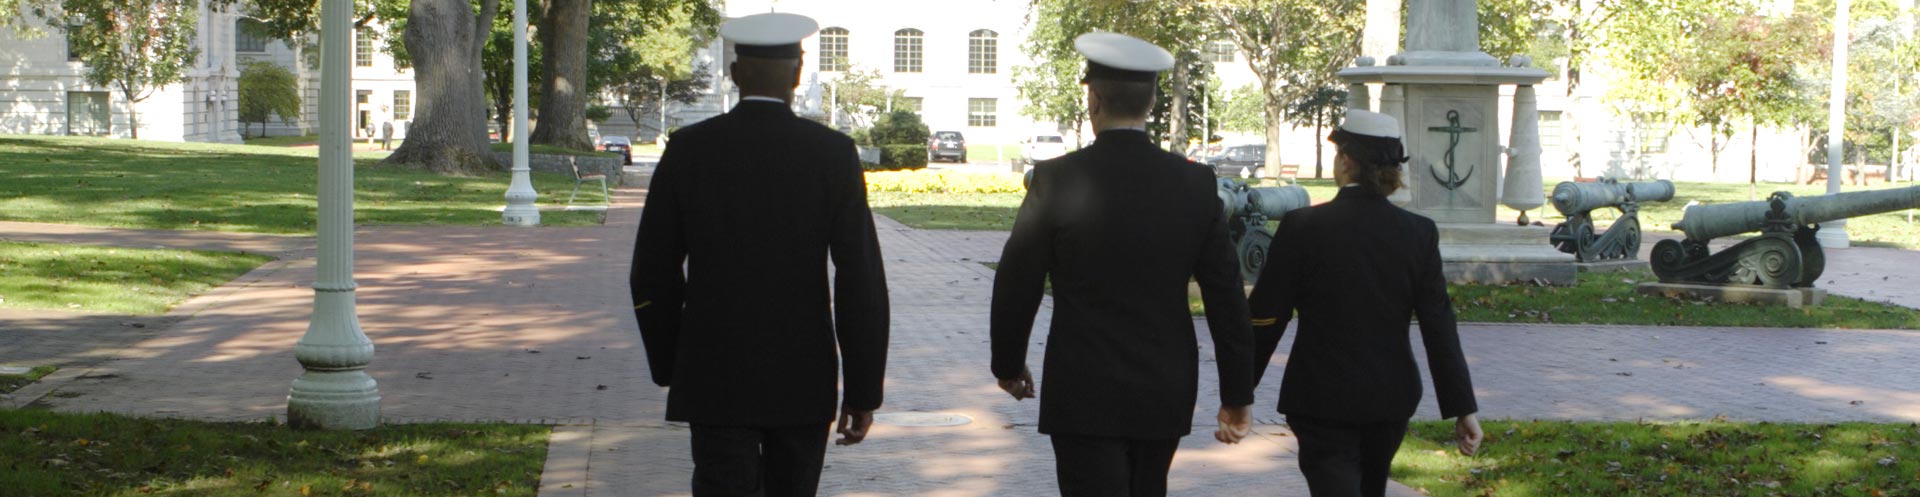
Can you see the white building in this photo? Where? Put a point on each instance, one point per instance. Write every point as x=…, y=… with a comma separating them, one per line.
x=954, y=60
x=46, y=90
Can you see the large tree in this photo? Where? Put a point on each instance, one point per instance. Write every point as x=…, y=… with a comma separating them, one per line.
x=443, y=40
x=1294, y=49
x=572, y=48
x=647, y=63
x=496, y=60
x=1051, y=87
x=133, y=46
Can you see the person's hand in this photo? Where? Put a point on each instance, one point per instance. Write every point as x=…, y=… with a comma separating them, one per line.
x=1467, y=430
x=853, y=426
x=1235, y=424
x=1020, y=387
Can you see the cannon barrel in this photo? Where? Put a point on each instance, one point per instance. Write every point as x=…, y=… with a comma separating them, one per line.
x=1706, y=222
x=1270, y=201
x=1573, y=198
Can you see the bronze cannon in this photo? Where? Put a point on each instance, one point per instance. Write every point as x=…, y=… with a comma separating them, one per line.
x=1621, y=241
x=1784, y=255
x=1248, y=209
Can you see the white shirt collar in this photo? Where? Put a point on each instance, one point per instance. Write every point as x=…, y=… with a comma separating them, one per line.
x=1349, y=184
x=1135, y=128
x=757, y=98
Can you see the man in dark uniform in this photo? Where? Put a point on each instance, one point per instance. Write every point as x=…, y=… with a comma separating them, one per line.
x=1356, y=269
x=1120, y=228
x=753, y=203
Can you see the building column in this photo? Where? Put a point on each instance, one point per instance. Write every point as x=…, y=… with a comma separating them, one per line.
x=335, y=393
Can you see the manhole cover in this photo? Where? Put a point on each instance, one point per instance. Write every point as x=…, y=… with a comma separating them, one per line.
x=918, y=419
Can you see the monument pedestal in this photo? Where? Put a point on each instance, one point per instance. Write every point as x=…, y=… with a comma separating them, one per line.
x=1791, y=297
x=1498, y=253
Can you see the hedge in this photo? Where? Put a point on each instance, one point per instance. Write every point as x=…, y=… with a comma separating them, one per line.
x=903, y=156
x=943, y=182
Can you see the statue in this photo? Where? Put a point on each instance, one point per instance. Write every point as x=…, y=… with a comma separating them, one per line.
x=1784, y=255
x=1620, y=242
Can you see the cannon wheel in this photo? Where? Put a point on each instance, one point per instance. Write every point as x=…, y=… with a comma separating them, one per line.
x=1629, y=246
x=1772, y=262
x=1253, y=254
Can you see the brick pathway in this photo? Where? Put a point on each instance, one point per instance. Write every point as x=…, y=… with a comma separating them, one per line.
x=528, y=325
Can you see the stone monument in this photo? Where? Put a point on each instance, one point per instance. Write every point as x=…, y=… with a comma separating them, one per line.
x=1446, y=92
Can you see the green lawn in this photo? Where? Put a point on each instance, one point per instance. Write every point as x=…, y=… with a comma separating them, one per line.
x=1602, y=298
x=107, y=279
x=949, y=211
x=132, y=184
x=48, y=454
x=552, y=150
x=10, y=383
x=1557, y=458
x=984, y=153
x=283, y=141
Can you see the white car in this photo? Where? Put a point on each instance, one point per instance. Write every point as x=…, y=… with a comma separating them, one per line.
x=1041, y=147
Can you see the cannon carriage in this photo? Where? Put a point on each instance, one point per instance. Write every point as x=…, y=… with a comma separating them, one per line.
x=1621, y=241
x=1247, y=210
x=1784, y=255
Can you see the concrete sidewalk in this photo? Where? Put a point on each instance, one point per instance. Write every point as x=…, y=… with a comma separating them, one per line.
x=531, y=325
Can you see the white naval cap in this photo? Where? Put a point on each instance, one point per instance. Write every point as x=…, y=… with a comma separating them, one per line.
x=1118, y=57
x=1370, y=123
x=771, y=35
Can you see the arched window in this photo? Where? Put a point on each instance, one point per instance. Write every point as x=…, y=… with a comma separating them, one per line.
x=249, y=36
x=906, y=50
x=833, y=49
x=983, y=52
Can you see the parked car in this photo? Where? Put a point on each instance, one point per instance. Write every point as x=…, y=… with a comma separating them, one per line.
x=1041, y=147
x=947, y=144
x=620, y=144
x=1243, y=161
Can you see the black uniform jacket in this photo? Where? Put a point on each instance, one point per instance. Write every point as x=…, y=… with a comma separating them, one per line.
x=1121, y=227
x=753, y=202
x=1356, y=269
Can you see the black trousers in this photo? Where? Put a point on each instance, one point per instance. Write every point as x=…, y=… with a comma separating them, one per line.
x=1346, y=460
x=757, y=461
x=1112, y=467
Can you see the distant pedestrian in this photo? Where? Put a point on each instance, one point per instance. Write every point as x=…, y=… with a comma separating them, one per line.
x=735, y=313
x=386, y=135
x=1357, y=269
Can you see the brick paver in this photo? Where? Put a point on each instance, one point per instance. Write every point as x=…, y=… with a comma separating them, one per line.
x=531, y=325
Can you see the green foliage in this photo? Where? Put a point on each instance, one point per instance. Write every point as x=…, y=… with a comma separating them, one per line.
x=104, y=279
x=641, y=60
x=599, y=113
x=1552, y=458
x=1613, y=299
x=948, y=211
x=268, y=90
x=106, y=454
x=10, y=383
x=1241, y=110
x=1294, y=48
x=134, y=46
x=1511, y=27
x=1051, y=88
x=900, y=128
x=197, y=186
x=858, y=97
x=862, y=137
x=903, y=156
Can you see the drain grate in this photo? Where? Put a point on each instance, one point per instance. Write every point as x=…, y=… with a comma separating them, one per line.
x=921, y=419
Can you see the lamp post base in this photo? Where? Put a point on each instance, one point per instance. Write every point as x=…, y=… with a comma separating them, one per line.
x=334, y=400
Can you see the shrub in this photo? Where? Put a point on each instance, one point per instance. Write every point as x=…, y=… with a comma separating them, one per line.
x=897, y=156
x=861, y=137
x=900, y=128
x=943, y=182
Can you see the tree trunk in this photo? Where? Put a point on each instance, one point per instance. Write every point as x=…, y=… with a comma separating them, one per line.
x=563, y=93
x=1319, y=146
x=1713, y=144
x=1753, y=163
x=449, y=131
x=1177, y=125
x=1275, y=121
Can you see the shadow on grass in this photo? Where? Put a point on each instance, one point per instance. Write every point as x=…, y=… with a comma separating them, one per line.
x=104, y=454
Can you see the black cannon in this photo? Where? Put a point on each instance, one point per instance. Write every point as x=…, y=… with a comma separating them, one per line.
x=1621, y=241
x=1784, y=255
x=1248, y=209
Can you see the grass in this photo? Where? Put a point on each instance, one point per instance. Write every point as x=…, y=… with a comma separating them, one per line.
x=552, y=150
x=283, y=141
x=10, y=383
x=108, y=455
x=949, y=211
x=107, y=279
x=133, y=184
x=1612, y=299
x=984, y=153
x=1554, y=458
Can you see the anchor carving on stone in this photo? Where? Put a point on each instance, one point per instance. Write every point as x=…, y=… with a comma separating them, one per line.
x=1453, y=181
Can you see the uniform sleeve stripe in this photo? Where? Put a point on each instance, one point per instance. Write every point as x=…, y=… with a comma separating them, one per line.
x=1266, y=321
x=643, y=305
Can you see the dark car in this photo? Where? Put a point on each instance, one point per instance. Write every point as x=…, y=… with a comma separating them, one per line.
x=948, y=145
x=618, y=144
x=1243, y=161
